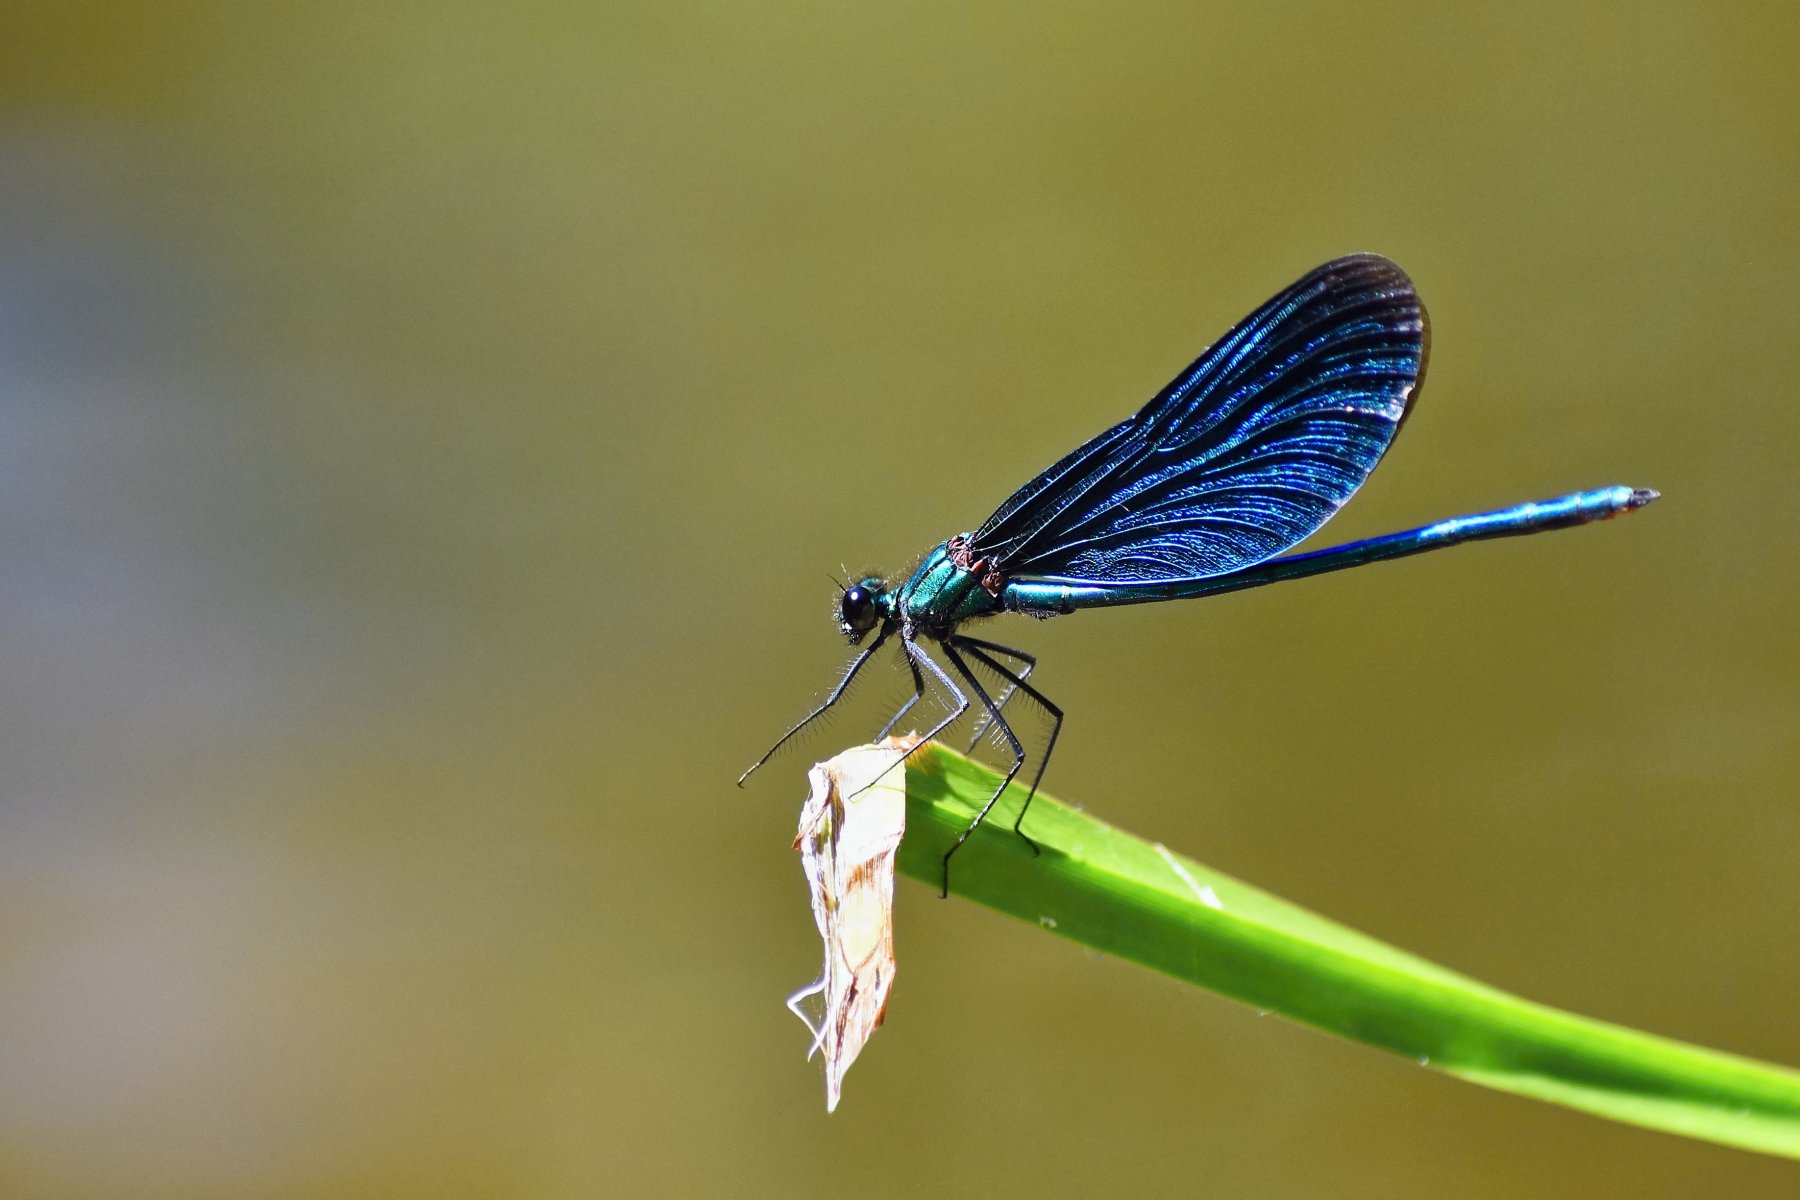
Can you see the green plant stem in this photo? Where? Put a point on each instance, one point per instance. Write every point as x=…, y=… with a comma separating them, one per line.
x=1107, y=889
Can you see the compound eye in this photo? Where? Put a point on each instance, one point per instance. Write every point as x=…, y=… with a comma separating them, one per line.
x=858, y=608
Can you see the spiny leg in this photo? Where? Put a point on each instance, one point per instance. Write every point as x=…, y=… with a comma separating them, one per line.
x=965, y=641
x=918, y=694
x=962, y=668
x=960, y=706
x=1012, y=685
x=979, y=650
x=837, y=693
x=916, y=653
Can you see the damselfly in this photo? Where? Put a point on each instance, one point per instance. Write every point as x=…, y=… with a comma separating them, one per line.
x=1245, y=454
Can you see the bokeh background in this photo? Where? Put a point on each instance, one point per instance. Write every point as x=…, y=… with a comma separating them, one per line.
x=425, y=433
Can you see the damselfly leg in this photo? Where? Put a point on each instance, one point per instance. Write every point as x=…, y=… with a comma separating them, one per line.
x=1012, y=740
x=837, y=693
x=985, y=651
x=918, y=694
x=1012, y=685
x=915, y=656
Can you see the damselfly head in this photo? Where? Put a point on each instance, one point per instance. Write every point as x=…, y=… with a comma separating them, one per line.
x=860, y=608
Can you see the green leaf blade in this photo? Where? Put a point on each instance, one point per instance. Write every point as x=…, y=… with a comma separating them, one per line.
x=1135, y=899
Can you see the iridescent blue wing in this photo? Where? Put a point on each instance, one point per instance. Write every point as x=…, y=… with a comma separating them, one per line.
x=1244, y=454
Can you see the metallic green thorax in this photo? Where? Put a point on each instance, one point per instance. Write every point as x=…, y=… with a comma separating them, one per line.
x=941, y=594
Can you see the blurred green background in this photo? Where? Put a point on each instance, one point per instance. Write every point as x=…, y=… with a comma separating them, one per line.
x=426, y=433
